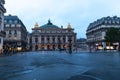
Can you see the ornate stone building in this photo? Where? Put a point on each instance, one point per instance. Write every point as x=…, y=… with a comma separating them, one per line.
x=96, y=32
x=16, y=33
x=51, y=37
x=2, y=33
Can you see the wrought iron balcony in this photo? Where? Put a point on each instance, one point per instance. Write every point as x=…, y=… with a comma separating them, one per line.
x=2, y=33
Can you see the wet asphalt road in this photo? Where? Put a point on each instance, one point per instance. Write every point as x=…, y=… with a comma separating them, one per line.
x=50, y=65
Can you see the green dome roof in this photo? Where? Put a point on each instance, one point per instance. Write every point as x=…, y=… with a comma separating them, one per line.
x=49, y=25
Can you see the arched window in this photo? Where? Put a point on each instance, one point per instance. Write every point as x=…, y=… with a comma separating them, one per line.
x=36, y=47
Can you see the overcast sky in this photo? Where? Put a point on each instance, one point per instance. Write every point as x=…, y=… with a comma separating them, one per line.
x=61, y=12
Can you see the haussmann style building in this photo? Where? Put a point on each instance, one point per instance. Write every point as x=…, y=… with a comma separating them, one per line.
x=52, y=37
x=2, y=33
x=16, y=33
x=96, y=32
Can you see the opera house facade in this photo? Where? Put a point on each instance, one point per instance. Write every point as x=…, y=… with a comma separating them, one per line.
x=52, y=37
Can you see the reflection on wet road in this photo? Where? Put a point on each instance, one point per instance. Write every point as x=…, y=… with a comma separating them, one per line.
x=49, y=65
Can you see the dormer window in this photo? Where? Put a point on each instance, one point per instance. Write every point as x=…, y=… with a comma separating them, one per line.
x=10, y=21
x=15, y=21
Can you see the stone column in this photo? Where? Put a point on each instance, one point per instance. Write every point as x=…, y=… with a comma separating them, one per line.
x=33, y=39
x=51, y=39
x=56, y=39
x=45, y=39
x=40, y=39
x=39, y=46
x=45, y=47
x=66, y=39
x=73, y=48
x=61, y=39
x=67, y=43
x=56, y=46
x=61, y=46
x=51, y=46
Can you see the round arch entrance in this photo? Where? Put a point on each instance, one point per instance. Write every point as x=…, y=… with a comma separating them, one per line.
x=42, y=47
x=59, y=47
x=48, y=47
x=53, y=47
x=36, y=47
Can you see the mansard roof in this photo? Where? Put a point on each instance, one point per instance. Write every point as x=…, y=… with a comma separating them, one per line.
x=105, y=21
x=10, y=17
x=49, y=25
